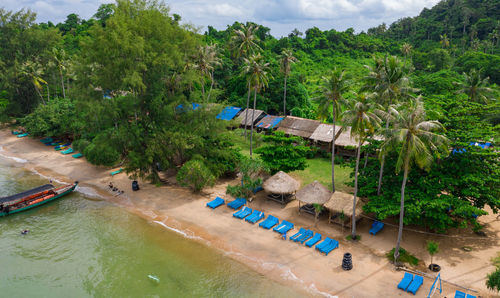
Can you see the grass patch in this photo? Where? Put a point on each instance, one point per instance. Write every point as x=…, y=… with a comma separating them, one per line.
x=349, y=237
x=496, y=260
x=404, y=257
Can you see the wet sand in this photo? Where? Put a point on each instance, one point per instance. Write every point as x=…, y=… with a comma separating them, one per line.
x=284, y=261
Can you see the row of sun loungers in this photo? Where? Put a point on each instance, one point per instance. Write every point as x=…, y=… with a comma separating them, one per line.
x=411, y=283
x=253, y=216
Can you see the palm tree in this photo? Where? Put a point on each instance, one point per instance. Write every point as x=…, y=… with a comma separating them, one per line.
x=391, y=82
x=207, y=61
x=258, y=78
x=287, y=59
x=332, y=89
x=34, y=71
x=475, y=86
x=444, y=41
x=361, y=115
x=60, y=59
x=414, y=139
x=406, y=50
x=243, y=44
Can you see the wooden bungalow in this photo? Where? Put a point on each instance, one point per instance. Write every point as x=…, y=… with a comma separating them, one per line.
x=281, y=187
x=299, y=127
x=246, y=120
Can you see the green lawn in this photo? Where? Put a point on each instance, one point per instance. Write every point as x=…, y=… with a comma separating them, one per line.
x=318, y=168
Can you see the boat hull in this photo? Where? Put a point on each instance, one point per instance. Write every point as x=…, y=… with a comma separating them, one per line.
x=70, y=190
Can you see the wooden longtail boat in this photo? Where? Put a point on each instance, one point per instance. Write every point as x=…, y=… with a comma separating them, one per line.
x=33, y=198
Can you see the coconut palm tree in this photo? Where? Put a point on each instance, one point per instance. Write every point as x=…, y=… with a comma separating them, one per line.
x=406, y=50
x=444, y=41
x=60, y=60
x=258, y=79
x=333, y=88
x=34, y=71
x=389, y=78
x=416, y=142
x=475, y=86
x=361, y=115
x=243, y=44
x=207, y=62
x=287, y=59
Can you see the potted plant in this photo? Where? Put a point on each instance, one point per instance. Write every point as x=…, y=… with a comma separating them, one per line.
x=433, y=248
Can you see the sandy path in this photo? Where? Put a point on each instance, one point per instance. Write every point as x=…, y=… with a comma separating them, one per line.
x=284, y=261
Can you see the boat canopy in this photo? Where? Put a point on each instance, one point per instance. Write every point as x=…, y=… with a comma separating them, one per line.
x=26, y=193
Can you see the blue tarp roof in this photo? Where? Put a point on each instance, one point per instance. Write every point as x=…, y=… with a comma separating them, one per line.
x=482, y=145
x=180, y=108
x=269, y=122
x=228, y=113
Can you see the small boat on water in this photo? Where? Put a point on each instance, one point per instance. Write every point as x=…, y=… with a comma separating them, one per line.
x=33, y=198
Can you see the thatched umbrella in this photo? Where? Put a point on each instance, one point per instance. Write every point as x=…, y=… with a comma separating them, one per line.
x=314, y=193
x=281, y=184
x=341, y=203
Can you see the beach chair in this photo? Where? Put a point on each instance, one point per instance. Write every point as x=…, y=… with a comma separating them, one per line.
x=67, y=151
x=236, y=204
x=269, y=222
x=459, y=294
x=298, y=234
x=22, y=135
x=284, y=227
x=415, y=284
x=78, y=155
x=61, y=147
x=406, y=281
x=376, y=227
x=215, y=203
x=331, y=246
x=243, y=213
x=116, y=172
x=306, y=235
x=313, y=240
x=255, y=216
x=46, y=140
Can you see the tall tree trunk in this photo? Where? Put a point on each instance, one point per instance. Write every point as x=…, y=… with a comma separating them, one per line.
x=382, y=163
x=333, y=147
x=203, y=89
x=353, y=220
x=284, y=99
x=366, y=160
x=62, y=83
x=402, y=210
x=39, y=93
x=48, y=93
x=253, y=114
x=246, y=111
x=211, y=86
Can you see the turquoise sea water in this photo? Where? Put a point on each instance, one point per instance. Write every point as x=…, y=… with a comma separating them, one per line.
x=83, y=247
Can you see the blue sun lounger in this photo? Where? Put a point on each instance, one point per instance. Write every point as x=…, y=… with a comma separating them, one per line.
x=406, y=281
x=327, y=245
x=243, y=213
x=215, y=203
x=22, y=135
x=376, y=227
x=47, y=140
x=415, y=284
x=269, y=222
x=460, y=294
x=284, y=227
x=313, y=240
x=306, y=235
x=298, y=234
x=116, y=172
x=255, y=216
x=236, y=204
x=78, y=155
x=67, y=151
x=60, y=147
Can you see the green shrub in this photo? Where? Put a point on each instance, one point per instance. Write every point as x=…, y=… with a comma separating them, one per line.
x=493, y=280
x=195, y=175
x=102, y=150
x=81, y=144
x=404, y=257
x=56, y=118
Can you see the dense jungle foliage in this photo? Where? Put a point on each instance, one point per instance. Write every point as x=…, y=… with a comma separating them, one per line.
x=113, y=84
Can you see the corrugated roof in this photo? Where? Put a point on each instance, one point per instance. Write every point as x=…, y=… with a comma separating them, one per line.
x=269, y=122
x=258, y=114
x=298, y=126
x=228, y=113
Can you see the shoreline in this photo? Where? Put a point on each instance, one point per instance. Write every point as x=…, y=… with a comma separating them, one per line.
x=289, y=263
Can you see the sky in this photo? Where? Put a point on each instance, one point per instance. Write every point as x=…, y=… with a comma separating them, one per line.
x=282, y=16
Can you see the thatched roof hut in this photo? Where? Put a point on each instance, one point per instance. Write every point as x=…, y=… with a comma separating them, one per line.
x=281, y=183
x=342, y=203
x=299, y=127
x=314, y=193
x=324, y=133
x=258, y=114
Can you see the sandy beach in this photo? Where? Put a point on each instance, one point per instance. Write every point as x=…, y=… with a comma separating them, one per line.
x=284, y=261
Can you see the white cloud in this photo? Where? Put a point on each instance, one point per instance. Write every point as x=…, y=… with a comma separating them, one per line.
x=282, y=16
